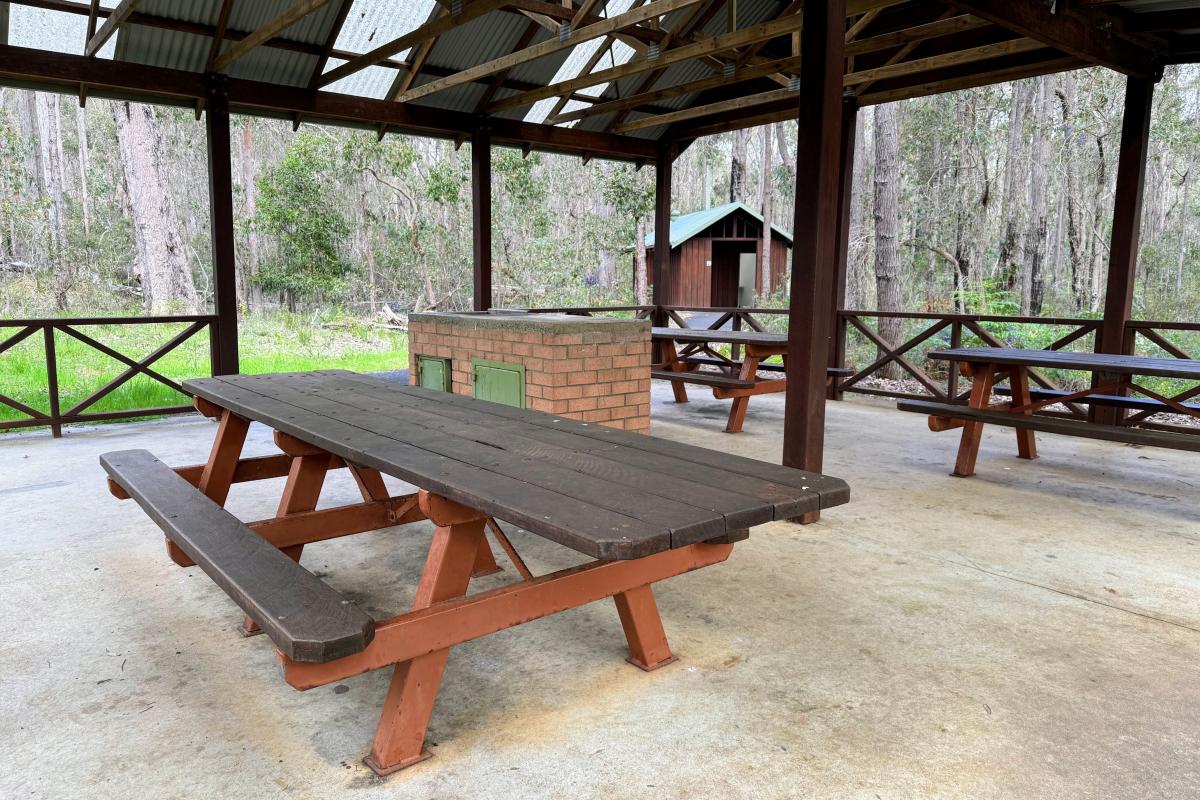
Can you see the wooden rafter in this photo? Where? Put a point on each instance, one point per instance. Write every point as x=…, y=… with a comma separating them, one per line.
x=675, y=55
x=915, y=34
x=430, y=30
x=287, y=19
x=498, y=81
x=585, y=8
x=603, y=28
x=218, y=37
x=919, y=65
x=109, y=28
x=1163, y=21
x=326, y=50
x=1069, y=31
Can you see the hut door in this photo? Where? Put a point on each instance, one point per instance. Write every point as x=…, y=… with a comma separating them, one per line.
x=725, y=271
x=747, y=272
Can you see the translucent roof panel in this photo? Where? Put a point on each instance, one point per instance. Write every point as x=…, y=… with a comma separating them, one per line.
x=371, y=23
x=54, y=31
x=372, y=82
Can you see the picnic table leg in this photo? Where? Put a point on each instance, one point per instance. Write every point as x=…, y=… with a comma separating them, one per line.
x=305, y=480
x=400, y=737
x=982, y=378
x=1019, y=382
x=672, y=363
x=648, y=648
x=222, y=462
x=370, y=484
x=737, y=413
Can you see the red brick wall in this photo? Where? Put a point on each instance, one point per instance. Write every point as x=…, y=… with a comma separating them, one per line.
x=582, y=369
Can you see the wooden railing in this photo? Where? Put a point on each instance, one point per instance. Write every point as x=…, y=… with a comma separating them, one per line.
x=857, y=339
x=54, y=417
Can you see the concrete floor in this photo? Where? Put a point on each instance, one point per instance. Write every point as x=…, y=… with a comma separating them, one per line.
x=1032, y=632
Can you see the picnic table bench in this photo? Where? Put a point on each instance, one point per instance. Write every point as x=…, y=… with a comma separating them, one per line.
x=1114, y=376
x=646, y=509
x=688, y=350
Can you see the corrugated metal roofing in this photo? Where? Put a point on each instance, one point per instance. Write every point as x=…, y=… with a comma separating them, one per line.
x=688, y=225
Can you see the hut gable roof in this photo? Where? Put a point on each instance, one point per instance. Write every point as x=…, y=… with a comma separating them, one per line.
x=691, y=225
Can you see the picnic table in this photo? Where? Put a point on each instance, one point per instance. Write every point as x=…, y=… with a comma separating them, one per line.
x=645, y=509
x=688, y=351
x=1114, y=380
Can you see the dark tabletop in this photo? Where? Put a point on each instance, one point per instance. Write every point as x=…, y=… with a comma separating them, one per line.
x=1059, y=359
x=604, y=492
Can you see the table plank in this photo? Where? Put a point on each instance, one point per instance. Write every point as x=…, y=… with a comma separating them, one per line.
x=787, y=502
x=594, y=531
x=1089, y=362
x=693, y=335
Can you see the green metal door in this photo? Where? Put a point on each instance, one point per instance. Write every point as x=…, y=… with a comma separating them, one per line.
x=433, y=373
x=499, y=382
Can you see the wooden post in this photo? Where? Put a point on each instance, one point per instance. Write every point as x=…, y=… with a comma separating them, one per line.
x=220, y=202
x=837, y=344
x=481, y=215
x=1126, y=230
x=660, y=292
x=816, y=232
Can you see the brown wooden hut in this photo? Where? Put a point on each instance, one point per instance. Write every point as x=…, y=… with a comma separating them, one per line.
x=716, y=258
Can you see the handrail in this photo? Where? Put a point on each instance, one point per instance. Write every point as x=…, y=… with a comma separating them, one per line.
x=54, y=417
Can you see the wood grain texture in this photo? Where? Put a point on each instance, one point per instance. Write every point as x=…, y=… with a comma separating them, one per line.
x=303, y=616
x=607, y=493
x=1059, y=359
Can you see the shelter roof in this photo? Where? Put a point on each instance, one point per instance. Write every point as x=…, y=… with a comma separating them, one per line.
x=615, y=78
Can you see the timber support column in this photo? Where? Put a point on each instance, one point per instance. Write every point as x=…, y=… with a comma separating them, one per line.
x=660, y=291
x=1126, y=230
x=837, y=344
x=815, y=233
x=481, y=215
x=220, y=200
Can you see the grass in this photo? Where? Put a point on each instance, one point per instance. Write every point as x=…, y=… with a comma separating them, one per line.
x=268, y=343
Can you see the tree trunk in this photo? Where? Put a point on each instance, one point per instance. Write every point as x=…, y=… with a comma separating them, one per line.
x=856, y=277
x=167, y=281
x=765, y=198
x=639, y=261
x=887, y=225
x=247, y=167
x=81, y=136
x=1033, y=283
x=1068, y=99
x=738, y=166
x=1012, y=245
x=51, y=158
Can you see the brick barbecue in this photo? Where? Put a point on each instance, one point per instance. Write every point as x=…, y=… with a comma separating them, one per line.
x=587, y=368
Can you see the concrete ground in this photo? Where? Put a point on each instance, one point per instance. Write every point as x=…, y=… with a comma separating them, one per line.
x=1033, y=632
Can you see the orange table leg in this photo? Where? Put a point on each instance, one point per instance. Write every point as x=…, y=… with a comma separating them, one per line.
x=982, y=378
x=1019, y=381
x=400, y=737
x=673, y=363
x=648, y=648
x=737, y=414
x=217, y=476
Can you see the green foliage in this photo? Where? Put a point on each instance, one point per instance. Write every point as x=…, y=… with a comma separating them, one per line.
x=295, y=207
x=446, y=182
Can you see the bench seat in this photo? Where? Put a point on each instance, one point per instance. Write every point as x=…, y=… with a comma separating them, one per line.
x=709, y=361
x=302, y=615
x=1110, y=400
x=1066, y=427
x=702, y=379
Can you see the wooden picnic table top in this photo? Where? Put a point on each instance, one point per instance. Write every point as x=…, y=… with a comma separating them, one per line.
x=721, y=337
x=1060, y=359
x=607, y=493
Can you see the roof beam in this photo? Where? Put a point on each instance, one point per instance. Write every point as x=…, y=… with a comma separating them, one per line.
x=717, y=44
x=929, y=64
x=157, y=85
x=218, y=37
x=1071, y=32
x=287, y=19
x=429, y=30
x=109, y=28
x=585, y=8
x=603, y=28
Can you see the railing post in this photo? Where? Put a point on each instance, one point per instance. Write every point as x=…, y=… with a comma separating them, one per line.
x=214, y=347
x=952, y=377
x=837, y=355
x=52, y=381
x=735, y=351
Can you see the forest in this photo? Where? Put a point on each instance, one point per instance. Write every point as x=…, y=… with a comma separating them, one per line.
x=995, y=200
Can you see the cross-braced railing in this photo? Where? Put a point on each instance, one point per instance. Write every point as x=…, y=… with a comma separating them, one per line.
x=53, y=416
